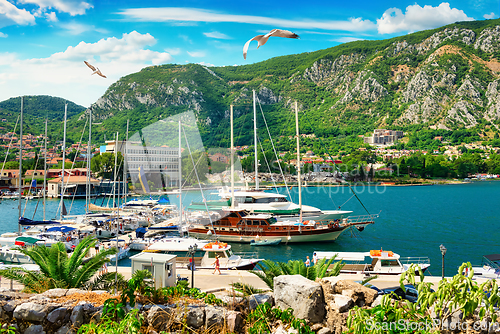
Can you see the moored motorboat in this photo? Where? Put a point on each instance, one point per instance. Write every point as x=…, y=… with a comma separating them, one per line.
x=205, y=255
x=265, y=242
x=489, y=268
x=375, y=262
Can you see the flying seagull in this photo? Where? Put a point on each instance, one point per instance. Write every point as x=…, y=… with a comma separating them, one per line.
x=262, y=39
x=96, y=70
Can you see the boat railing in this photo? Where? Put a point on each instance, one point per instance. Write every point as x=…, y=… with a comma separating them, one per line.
x=246, y=255
x=415, y=260
x=361, y=218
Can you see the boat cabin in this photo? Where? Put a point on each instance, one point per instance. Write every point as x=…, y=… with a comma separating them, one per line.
x=374, y=262
x=205, y=256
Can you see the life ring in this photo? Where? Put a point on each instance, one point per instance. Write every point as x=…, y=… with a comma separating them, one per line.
x=68, y=239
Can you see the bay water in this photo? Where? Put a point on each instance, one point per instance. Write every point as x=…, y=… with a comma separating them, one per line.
x=413, y=221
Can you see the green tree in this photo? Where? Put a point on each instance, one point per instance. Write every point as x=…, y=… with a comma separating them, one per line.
x=57, y=269
x=103, y=165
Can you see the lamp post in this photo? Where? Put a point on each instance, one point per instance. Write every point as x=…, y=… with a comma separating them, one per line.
x=191, y=251
x=443, y=252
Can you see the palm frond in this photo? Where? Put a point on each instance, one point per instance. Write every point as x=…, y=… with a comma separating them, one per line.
x=85, y=272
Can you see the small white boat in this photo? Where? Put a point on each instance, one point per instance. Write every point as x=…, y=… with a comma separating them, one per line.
x=375, y=262
x=8, y=254
x=206, y=254
x=489, y=268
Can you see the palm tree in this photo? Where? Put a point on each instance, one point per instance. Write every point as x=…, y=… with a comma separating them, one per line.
x=57, y=270
x=296, y=267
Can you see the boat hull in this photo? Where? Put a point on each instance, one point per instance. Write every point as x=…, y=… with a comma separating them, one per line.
x=320, y=236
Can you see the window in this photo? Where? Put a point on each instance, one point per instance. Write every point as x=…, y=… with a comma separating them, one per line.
x=168, y=269
x=149, y=268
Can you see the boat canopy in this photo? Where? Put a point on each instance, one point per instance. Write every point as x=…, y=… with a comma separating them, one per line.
x=64, y=229
x=26, y=221
x=27, y=240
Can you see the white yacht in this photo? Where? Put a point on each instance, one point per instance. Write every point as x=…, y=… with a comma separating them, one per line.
x=375, y=262
x=278, y=204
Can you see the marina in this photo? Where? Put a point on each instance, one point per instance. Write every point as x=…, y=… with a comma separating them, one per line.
x=413, y=221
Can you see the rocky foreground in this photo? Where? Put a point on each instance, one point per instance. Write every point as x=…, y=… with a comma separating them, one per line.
x=323, y=304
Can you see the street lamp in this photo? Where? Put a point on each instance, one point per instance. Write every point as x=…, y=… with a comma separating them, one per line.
x=191, y=251
x=443, y=252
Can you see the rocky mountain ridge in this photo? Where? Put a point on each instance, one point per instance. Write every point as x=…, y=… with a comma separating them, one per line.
x=445, y=78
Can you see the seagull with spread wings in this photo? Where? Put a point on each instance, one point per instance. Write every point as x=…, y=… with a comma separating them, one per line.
x=96, y=70
x=262, y=39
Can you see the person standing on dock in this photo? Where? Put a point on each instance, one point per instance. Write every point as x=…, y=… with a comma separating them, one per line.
x=308, y=262
x=315, y=258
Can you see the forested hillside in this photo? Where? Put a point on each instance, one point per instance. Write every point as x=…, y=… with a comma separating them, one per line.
x=426, y=84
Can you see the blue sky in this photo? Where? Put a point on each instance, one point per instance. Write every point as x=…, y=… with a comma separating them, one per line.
x=43, y=43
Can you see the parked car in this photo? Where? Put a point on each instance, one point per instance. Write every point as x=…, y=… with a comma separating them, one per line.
x=396, y=292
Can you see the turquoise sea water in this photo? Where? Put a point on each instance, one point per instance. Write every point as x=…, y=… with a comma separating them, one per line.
x=413, y=221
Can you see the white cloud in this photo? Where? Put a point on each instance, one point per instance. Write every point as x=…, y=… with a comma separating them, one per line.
x=73, y=7
x=347, y=39
x=3, y=35
x=10, y=14
x=489, y=16
x=51, y=17
x=196, y=54
x=75, y=28
x=64, y=73
x=419, y=18
x=205, y=64
x=173, y=51
x=176, y=14
x=217, y=35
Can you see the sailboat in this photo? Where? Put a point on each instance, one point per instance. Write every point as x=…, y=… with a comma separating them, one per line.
x=257, y=201
x=237, y=225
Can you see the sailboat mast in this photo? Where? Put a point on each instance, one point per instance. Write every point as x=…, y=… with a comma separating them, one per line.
x=114, y=176
x=63, y=160
x=232, y=160
x=89, y=152
x=298, y=158
x=45, y=172
x=255, y=142
x=20, y=162
x=125, y=166
x=180, y=174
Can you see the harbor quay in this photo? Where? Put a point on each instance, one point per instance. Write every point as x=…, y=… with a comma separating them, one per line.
x=207, y=281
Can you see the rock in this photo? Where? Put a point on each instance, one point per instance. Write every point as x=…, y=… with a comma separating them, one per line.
x=55, y=293
x=324, y=330
x=214, y=317
x=302, y=295
x=30, y=312
x=360, y=294
x=77, y=314
x=195, y=316
x=11, y=305
x=341, y=303
x=66, y=329
x=234, y=321
x=73, y=291
x=34, y=329
x=377, y=300
x=159, y=317
x=231, y=301
x=261, y=298
x=57, y=314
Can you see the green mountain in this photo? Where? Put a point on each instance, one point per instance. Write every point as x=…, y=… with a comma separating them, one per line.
x=35, y=110
x=436, y=82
